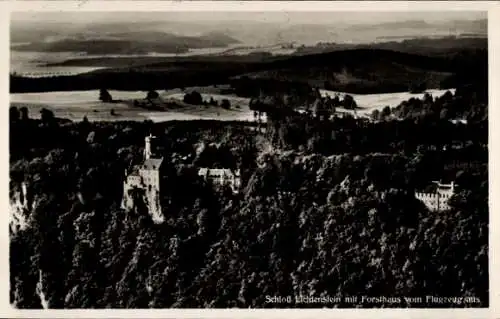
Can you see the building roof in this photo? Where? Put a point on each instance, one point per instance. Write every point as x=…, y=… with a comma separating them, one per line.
x=436, y=186
x=444, y=185
x=217, y=172
x=456, y=121
x=152, y=163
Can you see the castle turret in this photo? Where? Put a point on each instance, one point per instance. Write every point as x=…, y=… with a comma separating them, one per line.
x=149, y=147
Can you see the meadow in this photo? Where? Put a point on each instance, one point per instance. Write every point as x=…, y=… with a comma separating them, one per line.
x=367, y=103
x=74, y=105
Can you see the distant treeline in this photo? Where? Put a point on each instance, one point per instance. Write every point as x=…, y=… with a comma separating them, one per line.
x=248, y=87
x=130, y=43
x=126, y=79
x=423, y=46
x=370, y=71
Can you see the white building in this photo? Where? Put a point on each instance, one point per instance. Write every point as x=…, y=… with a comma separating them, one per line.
x=146, y=177
x=437, y=200
x=458, y=121
x=224, y=176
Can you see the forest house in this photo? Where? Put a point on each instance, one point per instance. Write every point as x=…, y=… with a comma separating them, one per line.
x=437, y=200
x=222, y=176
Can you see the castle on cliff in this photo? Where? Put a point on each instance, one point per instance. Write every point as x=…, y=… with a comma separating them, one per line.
x=438, y=199
x=146, y=177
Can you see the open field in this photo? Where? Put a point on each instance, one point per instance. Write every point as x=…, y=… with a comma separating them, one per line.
x=97, y=111
x=234, y=100
x=370, y=102
x=72, y=98
x=75, y=105
x=34, y=64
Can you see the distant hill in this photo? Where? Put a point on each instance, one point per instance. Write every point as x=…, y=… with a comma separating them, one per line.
x=218, y=37
x=436, y=47
x=409, y=24
x=359, y=70
x=135, y=42
x=478, y=26
x=355, y=71
x=440, y=46
x=250, y=32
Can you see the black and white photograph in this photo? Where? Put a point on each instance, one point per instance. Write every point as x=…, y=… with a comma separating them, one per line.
x=248, y=159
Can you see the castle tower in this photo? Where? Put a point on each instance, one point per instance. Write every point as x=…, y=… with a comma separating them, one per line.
x=149, y=147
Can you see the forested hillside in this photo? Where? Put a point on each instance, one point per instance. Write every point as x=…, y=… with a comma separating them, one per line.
x=327, y=208
x=355, y=71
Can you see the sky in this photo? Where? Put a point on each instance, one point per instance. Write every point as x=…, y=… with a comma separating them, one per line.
x=273, y=17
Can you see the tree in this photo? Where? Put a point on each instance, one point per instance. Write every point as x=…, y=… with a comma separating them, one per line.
x=225, y=104
x=152, y=95
x=349, y=102
x=443, y=115
x=193, y=98
x=428, y=98
x=212, y=101
x=447, y=96
x=24, y=113
x=376, y=114
x=386, y=111
x=14, y=114
x=418, y=88
x=104, y=96
x=336, y=100
x=47, y=116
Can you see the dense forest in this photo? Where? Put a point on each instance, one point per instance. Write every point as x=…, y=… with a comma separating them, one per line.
x=327, y=208
x=444, y=46
x=469, y=103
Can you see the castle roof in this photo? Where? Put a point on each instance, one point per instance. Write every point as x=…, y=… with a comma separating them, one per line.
x=211, y=172
x=436, y=186
x=152, y=163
